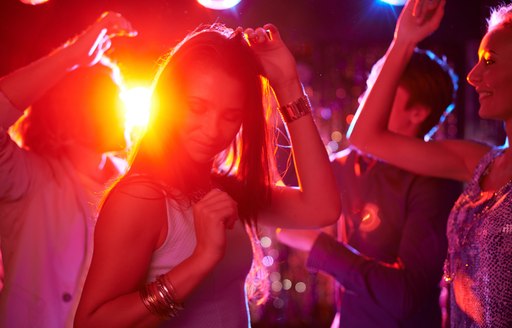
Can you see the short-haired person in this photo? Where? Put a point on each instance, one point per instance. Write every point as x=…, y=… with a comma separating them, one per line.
x=389, y=256
x=50, y=186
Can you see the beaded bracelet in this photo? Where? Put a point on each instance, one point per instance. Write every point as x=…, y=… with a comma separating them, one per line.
x=295, y=109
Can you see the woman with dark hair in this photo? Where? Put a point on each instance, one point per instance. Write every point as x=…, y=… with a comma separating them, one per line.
x=178, y=227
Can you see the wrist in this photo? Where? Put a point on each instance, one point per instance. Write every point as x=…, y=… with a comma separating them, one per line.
x=288, y=91
x=295, y=109
x=403, y=45
x=205, y=259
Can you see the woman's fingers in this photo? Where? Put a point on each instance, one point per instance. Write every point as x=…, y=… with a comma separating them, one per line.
x=218, y=206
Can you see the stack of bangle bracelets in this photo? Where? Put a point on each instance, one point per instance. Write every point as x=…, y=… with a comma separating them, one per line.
x=159, y=297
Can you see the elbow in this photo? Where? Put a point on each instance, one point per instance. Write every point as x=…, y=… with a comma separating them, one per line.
x=365, y=138
x=331, y=212
x=336, y=211
x=84, y=318
x=358, y=139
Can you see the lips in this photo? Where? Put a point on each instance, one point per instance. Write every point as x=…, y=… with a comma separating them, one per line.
x=204, y=147
x=483, y=94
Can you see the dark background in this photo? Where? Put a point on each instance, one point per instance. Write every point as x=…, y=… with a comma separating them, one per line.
x=335, y=43
x=336, y=40
x=30, y=31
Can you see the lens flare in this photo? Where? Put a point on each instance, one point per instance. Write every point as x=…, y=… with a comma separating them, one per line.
x=137, y=102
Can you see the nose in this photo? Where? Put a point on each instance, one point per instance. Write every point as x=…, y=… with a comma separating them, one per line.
x=474, y=76
x=211, y=126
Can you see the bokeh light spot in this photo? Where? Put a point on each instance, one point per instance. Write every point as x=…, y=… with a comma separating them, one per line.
x=300, y=287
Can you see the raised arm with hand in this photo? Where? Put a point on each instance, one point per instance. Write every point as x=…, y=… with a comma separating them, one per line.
x=369, y=131
x=25, y=85
x=317, y=203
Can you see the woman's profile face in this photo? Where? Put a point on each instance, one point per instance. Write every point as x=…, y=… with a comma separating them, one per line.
x=492, y=75
x=214, y=103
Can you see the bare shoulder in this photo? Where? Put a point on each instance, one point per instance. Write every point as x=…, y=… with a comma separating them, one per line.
x=132, y=207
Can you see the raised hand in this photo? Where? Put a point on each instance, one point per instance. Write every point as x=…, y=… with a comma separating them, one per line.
x=419, y=19
x=213, y=214
x=277, y=60
x=89, y=46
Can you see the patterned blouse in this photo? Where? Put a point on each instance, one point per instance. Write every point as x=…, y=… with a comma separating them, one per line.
x=479, y=263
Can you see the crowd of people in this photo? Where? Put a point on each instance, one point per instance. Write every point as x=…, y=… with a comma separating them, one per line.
x=169, y=235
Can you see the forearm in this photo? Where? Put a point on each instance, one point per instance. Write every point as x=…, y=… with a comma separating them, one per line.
x=128, y=310
x=392, y=286
x=372, y=116
x=25, y=85
x=319, y=197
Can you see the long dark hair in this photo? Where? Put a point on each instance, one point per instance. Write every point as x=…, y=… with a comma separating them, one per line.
x=244, y=170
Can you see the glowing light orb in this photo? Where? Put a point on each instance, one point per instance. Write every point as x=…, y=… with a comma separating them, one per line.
x=287, y=284
x=218, y=4
x=33, y=2
x=300, y=287
x=395, y=2
x=266, y=242
x=137, y=102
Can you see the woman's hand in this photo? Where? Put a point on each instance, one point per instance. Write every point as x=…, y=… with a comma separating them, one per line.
x=89, y=46
x=276, y=59
x=213, y=214
x=419, y=19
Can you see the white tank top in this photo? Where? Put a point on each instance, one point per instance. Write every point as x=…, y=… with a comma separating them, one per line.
x=220, y=299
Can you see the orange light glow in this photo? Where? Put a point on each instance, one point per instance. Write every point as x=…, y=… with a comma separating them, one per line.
x=349, y=118
x=137, y=102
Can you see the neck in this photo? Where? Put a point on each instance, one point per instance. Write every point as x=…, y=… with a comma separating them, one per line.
x=89, y=162
x=200, y=175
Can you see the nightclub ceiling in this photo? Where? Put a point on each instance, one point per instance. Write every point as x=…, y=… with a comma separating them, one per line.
x=27, y=32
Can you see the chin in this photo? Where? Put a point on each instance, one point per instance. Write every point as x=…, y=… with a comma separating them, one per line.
x=483, y=113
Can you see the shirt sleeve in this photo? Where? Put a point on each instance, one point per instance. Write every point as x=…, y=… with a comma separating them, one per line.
x=401, y=286
x=14, y=172
x=9, y=114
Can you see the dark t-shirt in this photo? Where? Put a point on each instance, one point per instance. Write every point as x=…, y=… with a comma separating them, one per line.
x=395, y=224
